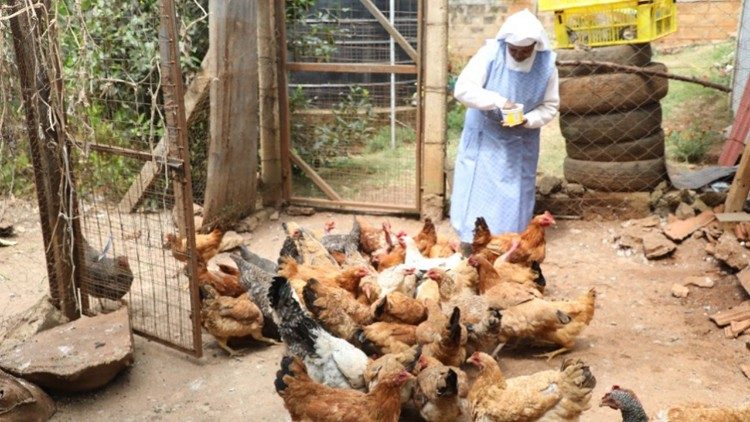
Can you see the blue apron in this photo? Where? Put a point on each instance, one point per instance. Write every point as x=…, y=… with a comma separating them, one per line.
x=495, y=173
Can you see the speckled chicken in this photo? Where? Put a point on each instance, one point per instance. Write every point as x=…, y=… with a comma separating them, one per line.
x=106, y=278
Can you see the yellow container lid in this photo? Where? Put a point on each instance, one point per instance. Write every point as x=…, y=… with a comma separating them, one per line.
x=549, y=5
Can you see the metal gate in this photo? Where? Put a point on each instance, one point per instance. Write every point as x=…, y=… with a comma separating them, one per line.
x=351, y=121
x=139, y=134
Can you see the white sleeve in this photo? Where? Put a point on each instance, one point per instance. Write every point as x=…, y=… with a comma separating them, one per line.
x=469, y=88
x=546, y=111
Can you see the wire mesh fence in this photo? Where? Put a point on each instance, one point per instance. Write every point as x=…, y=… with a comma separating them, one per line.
x=356, y=131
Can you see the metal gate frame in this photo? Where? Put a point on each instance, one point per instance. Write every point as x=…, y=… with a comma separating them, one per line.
x=334, y=200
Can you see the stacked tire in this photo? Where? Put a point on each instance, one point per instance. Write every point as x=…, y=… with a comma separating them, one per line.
x=611, y=121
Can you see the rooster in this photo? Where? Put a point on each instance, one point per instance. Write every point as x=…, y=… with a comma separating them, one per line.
x=548, y=395
x=631, y=409
x=330, y=360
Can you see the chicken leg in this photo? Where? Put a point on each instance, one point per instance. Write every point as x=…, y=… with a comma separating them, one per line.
x=223, y=344
x=552, y=354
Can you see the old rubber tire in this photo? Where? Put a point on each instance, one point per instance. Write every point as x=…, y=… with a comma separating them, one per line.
x=632, y=176
x=647, y=148
x=612, y=127
x=607, y=92
x=629, y=55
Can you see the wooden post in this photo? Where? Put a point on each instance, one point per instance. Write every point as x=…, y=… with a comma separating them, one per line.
x=285, y=135
x=435, y=76
x=270, y=147
x=232, y=154
x=40, y=77
x=740, y=185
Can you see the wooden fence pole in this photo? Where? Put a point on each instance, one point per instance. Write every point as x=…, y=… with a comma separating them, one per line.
x=270, y=146
x=285, y=136
x=35, y=46
x=232, y=154
x=434, y=52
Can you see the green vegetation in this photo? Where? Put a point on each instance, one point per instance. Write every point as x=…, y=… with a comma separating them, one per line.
x=691, y=144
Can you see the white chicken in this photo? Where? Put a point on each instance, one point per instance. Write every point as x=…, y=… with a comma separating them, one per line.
x=415, y=259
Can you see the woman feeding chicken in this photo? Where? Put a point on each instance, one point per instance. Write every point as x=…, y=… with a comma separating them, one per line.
x=495, y=170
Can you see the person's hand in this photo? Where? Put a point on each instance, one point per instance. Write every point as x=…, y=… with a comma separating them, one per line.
x=523, y=122
x=509, y=105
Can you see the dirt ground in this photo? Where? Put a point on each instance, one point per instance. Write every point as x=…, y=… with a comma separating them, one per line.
x=664, y=348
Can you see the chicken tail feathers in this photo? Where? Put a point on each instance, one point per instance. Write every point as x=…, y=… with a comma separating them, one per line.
x=539, y=280
x=455, y=326
x=380, y=308
x=412, y=364
x=451, y=385
x=309, y=295
x=297, y=329
x=279, y=383
x=578, y=373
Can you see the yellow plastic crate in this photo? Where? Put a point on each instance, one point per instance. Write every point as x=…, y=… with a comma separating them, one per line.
x=599, y=23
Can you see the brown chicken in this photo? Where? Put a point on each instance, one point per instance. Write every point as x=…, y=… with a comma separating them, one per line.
x=227, y=317
x=348, y=278
x=391, y=258
x=427, y=237
x=549, y=322
x=631, y=409
x=532, y=246
x=500, y=293
x=206, y=246
x=370, y=238
x=309, y=248
x=449, y=283
x=307, y=400
x=226, y=282
x=518, y=273
x=336, y=309
x=441, y=392
x=548, y=395
x=397, y=307
x=443, y=248
x=390, y=363
x=443, y=338
x=386, y=337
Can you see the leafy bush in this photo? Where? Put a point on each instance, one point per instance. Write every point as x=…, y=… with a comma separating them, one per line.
x=382, y=139
x=691, y=144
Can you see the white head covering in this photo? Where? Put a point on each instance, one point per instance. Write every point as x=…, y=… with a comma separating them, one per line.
x=523, y=29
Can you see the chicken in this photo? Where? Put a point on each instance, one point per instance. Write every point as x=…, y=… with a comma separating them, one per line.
x=548, y=395
x=386, y=337
x=257, y=282
x=347, y=279
x=443, y=338
x=206, y=246
x=396, y=279
x=444, y=248
x=517, y=273
x=414, y=258
x=441, y=392
x=307, y=400
x=397, y=307
x=631, y=409
x=330, y=360
x=446, y=282
x=336, y=309
x=265, y=264
x=226, y=281
x=532, y=243
x=22, y=401
x=370, y=237
x=106, y=278
x=392, y=257
x=390, y=363
x=345, y=247
x=500, y=293
x=427, y=238
x=309, y=248
x=482, y=235
x=226, y=317
x=428, y=289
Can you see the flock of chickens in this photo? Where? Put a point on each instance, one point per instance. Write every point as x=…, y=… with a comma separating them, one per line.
x=374, y=321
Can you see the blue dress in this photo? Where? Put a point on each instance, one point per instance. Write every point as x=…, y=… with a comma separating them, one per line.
x=495, y=173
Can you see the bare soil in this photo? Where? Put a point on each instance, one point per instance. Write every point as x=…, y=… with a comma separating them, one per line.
x=666, y=349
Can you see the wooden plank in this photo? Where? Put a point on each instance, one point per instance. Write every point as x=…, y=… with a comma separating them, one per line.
x=739, y=312
x=285, y=135
x=741, y=184
x=196, y=93
x=132, y=153
x=231, y=180
x=352, y=67
x=680, y=229
x=733, y=217
x=744, y=279
x=738, y=327
x=367, y=207
x=391, y=29
x=315, y=177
